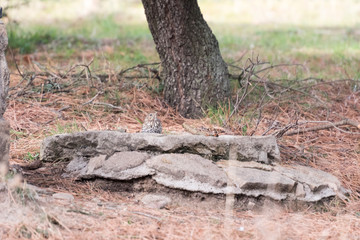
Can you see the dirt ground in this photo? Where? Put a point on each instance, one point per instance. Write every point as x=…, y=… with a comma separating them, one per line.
x=44, y=106
x=98, y=214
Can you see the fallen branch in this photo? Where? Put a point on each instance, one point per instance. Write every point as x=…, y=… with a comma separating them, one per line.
x=280, y=65
x=146, y=215
x=153, y=70
x=80, y=211
x=92, y=99
x=59, y=114
x=325, y=126
x=109, y=105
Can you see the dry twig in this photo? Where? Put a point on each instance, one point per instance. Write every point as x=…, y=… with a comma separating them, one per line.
x=324, y=126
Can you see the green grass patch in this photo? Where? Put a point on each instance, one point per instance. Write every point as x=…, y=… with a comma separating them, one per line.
x=30, y=157
x=328, y=52
x=28, y=41
x=132, y=44
x=66, y=128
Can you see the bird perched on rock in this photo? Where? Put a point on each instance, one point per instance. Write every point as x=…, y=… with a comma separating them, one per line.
x=151, y=124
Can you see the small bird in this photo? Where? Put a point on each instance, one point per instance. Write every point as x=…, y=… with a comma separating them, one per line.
x=151, y=124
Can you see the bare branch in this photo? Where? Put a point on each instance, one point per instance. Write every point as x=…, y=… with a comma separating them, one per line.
x=109, y=105
x=325, y=126
x=140, y=66
x=280, y=65
x=92, y=99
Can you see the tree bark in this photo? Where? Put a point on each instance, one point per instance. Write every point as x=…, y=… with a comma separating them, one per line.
x=196, y=76
x=4, y=88
x=4, y=71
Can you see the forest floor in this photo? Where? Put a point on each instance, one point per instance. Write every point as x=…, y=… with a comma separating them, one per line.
x=72, y=78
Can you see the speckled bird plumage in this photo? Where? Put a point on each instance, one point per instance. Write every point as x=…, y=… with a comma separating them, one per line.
x=151, y=124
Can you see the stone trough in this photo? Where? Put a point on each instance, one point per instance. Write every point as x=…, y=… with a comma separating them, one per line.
x=246, y=167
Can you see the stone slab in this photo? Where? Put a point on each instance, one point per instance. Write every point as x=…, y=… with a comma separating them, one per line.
x=94, y=143
x=277, y=182
x=314, y=184
x=155, y=201
x=222, y=165
x=188, y=172
x=119, y=166
x=258, y=182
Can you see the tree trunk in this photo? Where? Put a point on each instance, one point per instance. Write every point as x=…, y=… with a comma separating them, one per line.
x=195, y=74
x=4, y=88
x=4, y=71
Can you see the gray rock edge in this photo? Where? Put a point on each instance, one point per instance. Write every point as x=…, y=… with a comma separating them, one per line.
x=191, y=163
x=93, y=143
x=277, y=184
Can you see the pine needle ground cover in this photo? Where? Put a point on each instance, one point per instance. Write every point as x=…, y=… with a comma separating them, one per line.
x=292, y=66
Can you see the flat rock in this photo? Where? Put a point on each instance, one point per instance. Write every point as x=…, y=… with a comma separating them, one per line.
x=188, y=172
x=119, y=166
x=313, y=184
x=253, y=181
x=243, y=166
x=94, y=143
x=155, y=201
x=282, y=183
x=63, y=196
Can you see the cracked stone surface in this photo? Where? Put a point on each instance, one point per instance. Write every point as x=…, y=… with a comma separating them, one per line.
x=93, y=143
x=119, y=166
x=244, y=166
x=188, y=172
x=256, y=182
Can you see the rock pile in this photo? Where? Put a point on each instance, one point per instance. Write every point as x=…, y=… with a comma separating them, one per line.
x=242, y=166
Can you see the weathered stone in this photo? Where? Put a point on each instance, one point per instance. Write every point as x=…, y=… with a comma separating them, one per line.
x=253, y=149
x=300, y=191
x=119, y=166
x=188, y=172
x=313, y=184
x=194, y=173
x=250, y=180
x=282, y=183
x=196, y=164
x=94, y=143
x=4, y=144
x=76, y=167
x=155, y=201
x=63, y=196
x=4, y=71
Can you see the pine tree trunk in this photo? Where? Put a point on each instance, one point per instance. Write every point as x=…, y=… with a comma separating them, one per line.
x=4, y=71
x=4, y=88
x=196, y=76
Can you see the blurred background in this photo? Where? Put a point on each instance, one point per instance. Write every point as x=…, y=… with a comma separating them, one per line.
x=303, y=31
